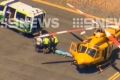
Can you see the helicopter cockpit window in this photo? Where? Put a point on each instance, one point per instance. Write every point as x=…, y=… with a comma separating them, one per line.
x=91, y=52
x=82, y=49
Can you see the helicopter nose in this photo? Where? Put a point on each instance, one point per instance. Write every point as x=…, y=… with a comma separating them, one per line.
x=83, y=58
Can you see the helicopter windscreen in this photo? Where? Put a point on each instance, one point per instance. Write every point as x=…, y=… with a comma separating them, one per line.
x=91, y=52
x=82, y=49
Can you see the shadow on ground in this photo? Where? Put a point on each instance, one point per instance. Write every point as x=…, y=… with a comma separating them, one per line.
x=58, y=62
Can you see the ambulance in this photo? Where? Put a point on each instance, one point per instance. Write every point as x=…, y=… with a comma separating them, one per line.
x=21, y=17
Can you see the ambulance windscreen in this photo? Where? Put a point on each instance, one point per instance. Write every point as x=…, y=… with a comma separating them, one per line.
x=37, y=23
x=1, y=8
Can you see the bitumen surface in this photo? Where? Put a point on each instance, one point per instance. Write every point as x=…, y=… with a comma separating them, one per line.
x=20, y=61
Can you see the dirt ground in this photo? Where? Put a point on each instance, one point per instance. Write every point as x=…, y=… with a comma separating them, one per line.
x=103, y=8
x=20, y=61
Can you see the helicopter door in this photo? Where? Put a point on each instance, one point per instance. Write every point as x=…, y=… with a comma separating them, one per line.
x=108, y=52
x=73, y=48
x=98, y=57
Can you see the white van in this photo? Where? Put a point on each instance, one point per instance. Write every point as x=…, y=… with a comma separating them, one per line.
x=22, y=17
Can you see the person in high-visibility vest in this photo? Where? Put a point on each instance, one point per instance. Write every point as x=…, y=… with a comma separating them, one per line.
x=46, y=44
x=54, y=43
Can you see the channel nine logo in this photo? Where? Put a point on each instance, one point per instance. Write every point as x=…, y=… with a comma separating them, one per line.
x=55, y=22
x=95, y=23
x=37, y=22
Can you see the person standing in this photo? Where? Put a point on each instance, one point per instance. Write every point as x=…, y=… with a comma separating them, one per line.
x=8, y=15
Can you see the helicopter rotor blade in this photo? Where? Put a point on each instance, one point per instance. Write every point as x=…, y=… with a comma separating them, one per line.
x=79, y=38
x=62, y=32
x=58, y=62
x=115, y=67
x=112, y=38
x=88, y=15
x=82, y=32
x=113, y=24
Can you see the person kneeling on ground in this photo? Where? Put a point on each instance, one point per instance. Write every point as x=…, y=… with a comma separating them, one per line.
x=46, y=44
x=39, y=42
x=53, y=43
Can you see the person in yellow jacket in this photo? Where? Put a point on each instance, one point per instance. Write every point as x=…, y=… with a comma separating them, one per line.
x=46, y=44
x=53, y=43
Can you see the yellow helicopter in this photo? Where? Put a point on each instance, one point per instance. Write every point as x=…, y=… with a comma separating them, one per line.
x=95, y=49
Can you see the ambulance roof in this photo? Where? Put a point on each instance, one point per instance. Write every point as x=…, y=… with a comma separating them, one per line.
x=24, y=8
x=5, y=2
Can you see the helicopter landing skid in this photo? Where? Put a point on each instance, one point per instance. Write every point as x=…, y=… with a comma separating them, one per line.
x=104, y=66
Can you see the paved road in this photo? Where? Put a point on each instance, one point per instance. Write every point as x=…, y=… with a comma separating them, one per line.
x=19, y=61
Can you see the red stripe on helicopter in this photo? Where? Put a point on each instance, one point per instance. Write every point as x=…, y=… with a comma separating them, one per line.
x=115, y=41
x=112, y=38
